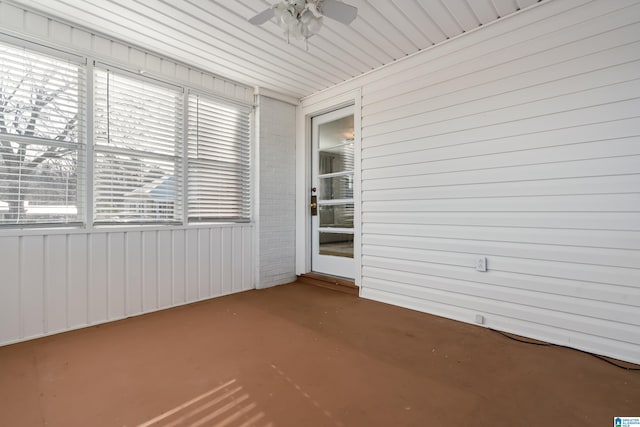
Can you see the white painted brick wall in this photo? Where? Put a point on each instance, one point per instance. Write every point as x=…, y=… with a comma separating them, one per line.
x=277, y=183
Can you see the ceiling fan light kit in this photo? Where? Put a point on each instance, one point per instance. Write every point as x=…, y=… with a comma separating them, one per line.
x=302, y=19
x=298, y=18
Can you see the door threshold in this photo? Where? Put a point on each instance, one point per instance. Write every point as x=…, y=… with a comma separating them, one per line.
x=339, y=284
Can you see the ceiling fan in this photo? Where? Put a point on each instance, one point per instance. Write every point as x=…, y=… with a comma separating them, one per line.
x=303, y=18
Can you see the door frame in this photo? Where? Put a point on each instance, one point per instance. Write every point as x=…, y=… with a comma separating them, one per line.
x=304, y=113
x=327, y=264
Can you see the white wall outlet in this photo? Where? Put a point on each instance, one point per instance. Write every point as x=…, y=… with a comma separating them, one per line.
x=479, y=319
x=481, y=263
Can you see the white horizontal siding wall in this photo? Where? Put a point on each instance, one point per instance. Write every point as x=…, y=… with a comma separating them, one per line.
x=18, y=22
x=519, y=142
x=52, y=283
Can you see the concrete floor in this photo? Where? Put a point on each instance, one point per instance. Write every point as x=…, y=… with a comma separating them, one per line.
x=296, y=355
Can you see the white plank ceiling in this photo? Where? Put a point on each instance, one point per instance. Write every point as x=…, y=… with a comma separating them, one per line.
x=214, y=35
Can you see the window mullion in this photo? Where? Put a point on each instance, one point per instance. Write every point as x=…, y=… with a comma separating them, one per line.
x=185, y=157
x=89, y=195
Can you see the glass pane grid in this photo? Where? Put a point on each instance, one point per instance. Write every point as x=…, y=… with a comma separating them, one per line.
x=335, y=188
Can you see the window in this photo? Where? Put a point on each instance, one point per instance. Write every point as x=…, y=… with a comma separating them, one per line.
x=40, y=147
x=219, y=154
x=149, y=160
x=137, y=150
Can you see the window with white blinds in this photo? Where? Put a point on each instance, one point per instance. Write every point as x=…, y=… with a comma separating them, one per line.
x=138, y=164
x=219, y=153
x=137, y=150
x=41, y=151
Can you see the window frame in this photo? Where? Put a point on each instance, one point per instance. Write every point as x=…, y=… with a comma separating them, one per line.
x=86, y=136
x=248, y=203
x=79, y=147
x=176, y=158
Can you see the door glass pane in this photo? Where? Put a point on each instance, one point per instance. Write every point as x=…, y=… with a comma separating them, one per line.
x=336, y=244
x=336, y=158
x=336, y=216
x=336, y=187
x=335, y=146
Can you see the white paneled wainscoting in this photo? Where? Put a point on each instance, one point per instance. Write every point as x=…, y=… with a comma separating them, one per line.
x=63, y=280
x=519, y=142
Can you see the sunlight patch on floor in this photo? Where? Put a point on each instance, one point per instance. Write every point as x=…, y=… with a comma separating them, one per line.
x=224, y=406
x=307, y=396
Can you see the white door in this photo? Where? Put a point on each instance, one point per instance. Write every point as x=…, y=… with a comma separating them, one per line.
x=332, y=205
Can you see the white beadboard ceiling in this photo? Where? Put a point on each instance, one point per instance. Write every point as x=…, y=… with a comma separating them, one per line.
x=214, y=35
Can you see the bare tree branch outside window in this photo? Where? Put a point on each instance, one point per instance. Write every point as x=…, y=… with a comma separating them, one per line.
x=39, y=138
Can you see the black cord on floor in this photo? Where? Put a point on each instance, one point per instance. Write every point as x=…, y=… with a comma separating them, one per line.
x=504, y=334
x=546, y=344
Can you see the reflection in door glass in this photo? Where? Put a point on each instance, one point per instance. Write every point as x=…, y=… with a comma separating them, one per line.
x=336, y=244
x=335, y=146
x=337, y=158
x=334, y=176
x=336, y=187
x=336, y=216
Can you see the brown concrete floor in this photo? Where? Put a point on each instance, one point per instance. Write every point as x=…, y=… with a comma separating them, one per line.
x=296, y=355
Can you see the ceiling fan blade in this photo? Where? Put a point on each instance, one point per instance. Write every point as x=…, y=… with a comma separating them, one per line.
x=339, y=11
x=262, y=17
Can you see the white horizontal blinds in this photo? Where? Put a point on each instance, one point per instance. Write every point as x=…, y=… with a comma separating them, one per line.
x=40, y=144
x=137, y=150
x=219, y=154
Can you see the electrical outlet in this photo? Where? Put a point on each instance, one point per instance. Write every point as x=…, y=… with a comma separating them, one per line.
x=479, y=319
x=481, y=263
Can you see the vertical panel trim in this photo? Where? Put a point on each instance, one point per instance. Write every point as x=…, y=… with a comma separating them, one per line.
x=186, y=269
x=198, y=260
x=211, y=263
x=108, y=276
x=157, y=265
x=125, y=267
x=233, y=260
x=143, y=272
x=20, y=284
x=67, y=268
x=173, y=263
x=89, y=276
x=45, y=284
